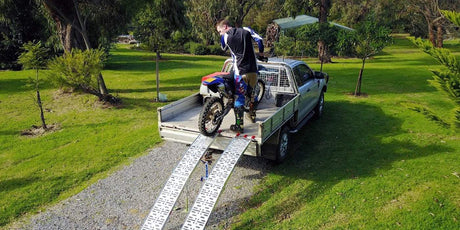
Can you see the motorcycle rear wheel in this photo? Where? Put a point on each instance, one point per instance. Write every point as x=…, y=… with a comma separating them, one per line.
x=208, y=124
x=259, y=91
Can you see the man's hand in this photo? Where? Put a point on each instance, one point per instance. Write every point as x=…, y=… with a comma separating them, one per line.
x=262, y=58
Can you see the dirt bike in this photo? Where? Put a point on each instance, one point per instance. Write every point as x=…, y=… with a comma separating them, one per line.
x=221, y=101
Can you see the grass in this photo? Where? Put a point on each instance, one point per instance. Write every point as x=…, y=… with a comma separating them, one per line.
x=374, y=162
x=371, y=162
x=38, y=171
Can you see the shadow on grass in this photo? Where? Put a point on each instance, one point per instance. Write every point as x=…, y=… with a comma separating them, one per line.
x=11, y=86
x=346, y=143
x=453, y=47
x=14, y=183
x=10, y=132
x=35, y=194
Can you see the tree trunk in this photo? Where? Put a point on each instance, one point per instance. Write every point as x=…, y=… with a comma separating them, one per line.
x=323, y=52
x=83, y=31
x=157, y=69
x=102, y=88
x=67, y=40
x=360, y=79
x=431, y=36
x=439, y=38
x=39, y=102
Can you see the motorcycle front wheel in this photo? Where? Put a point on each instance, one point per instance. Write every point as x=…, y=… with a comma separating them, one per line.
x=208, y=124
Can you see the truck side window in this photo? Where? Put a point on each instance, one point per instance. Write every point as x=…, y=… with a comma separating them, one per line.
x=302, y=74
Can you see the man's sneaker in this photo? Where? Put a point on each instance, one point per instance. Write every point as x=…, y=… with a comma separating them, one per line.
x=237, y=128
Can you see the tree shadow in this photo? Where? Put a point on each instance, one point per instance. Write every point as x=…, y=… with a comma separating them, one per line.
x=337, y=148
x=41, y=193
x=14, y=183
x=10, y=132
x=10, y=86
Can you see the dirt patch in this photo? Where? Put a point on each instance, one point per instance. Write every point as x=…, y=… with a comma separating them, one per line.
x=363, y=95
x=107, y=105
x=71, y=95
x=36, y=131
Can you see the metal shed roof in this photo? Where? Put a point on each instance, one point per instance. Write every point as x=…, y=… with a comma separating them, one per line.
x=300, y=20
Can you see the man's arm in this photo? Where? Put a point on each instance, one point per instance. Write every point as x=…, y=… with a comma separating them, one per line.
x=223, y=42
x=257, y=38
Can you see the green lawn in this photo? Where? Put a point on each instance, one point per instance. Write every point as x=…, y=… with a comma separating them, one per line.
x=370, y=162
x=38, y=171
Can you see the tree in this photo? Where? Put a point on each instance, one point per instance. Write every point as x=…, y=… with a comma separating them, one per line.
x=21, y=21
x=79, y=70
x=370, y=40
x=239, y=9
x=295, y=7
x=434, y=21
x=34, y=57
x=313, y=33
x=430, y=11
x=261, y=15
x=155, y=24
x=204, y=14
x=447, y=80
x=285, y=45
x=413, y=16
x=86, y=24
x=74, y=19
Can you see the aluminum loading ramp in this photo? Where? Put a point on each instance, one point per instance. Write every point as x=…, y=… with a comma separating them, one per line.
x=165, y=202
x=209, y=193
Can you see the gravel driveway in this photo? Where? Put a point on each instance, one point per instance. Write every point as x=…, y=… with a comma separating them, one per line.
x=124, y=199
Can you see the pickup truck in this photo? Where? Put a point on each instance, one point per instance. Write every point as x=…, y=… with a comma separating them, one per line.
x=294, y=94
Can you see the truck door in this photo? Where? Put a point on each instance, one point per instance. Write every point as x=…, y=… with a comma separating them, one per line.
x=307, y=86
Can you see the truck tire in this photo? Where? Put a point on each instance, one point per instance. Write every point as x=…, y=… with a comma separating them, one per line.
x=319, y=108
x=207, y=123
x=283, y=144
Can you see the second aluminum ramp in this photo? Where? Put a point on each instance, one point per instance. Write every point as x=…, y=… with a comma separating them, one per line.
x=209, y=193
x=165, y=202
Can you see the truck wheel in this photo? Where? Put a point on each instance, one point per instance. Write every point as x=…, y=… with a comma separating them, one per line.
x=207, y=122
x=320, y=106
x=283, y=145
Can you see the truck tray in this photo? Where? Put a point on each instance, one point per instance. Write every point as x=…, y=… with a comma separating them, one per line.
x=188, y=119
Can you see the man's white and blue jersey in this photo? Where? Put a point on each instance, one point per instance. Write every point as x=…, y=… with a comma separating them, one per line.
x=239, y=41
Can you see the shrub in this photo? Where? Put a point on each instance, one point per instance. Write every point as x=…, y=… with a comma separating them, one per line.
x=216, y=50
x=345, y=43
x=285, y=46
x=78, y=70
x=197, y=48
x=305, y=48
x=303, y=41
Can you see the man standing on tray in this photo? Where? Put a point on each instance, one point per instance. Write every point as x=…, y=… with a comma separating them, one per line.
x=239, y=41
